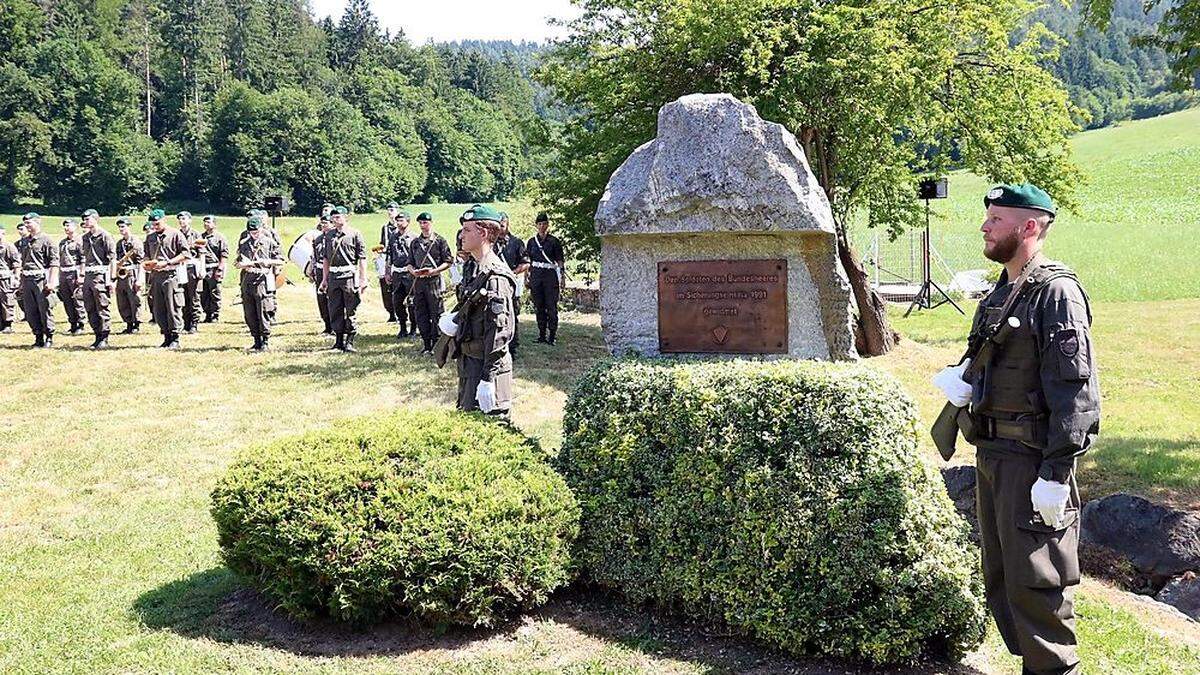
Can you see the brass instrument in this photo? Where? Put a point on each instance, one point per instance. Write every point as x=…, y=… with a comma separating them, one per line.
x=122, y=272
x=377, y=249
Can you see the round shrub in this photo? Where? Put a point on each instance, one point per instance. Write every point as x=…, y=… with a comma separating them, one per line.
x=785, y=499
x=448, y=517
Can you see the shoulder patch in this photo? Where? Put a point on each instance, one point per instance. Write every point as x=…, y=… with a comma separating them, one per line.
x=1068, y=342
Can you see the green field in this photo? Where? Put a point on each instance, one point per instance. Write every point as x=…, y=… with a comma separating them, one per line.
x=109, y=557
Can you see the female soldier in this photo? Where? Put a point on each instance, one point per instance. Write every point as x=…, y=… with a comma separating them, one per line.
x=482, y=326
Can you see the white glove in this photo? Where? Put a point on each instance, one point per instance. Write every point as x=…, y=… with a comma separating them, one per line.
x=1050, y=500
x=485, y=396
x=950, y=381
x=447, y=324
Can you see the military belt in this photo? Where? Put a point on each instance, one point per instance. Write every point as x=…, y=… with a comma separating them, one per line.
x=211, y=265
x=342, y=268
x=72, y=270
x=1028, y=429
x=33, y=273
x=400, y=270
x=95, y=269
x=544, y=266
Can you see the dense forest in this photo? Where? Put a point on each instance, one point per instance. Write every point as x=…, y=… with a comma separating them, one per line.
x=121, y=103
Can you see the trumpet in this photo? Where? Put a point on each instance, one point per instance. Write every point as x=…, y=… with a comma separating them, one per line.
x=122, y=272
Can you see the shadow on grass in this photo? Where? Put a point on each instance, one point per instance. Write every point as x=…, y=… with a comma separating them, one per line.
x=214, y=605
x=1165, y=470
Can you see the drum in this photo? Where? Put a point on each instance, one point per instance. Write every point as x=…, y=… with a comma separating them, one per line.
x=381, y=268
x=301, y=252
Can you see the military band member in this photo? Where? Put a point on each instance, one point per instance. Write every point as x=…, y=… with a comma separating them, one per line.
x=149, y=236
x=39, y=280
x=548, y=270
x=258, y=257
x=1030, y=412
x=512, y=251
x=400, y=278
x=315, y=270
x=22, y=235
x=10, y=273
x=99, y=276
x=387, y=232
x=482, y=326
x=70, y=286
x=166, y=254
x=430, y=256
x=194, y=264
x=216, y=253
x=344, y=277
x=130, y=276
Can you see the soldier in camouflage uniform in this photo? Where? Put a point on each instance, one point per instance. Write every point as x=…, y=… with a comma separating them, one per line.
x=1031, y=412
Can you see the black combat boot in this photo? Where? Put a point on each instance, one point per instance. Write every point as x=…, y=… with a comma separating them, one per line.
x=137, y=328
x=349, y=348
x=6, y=328
x=95, y=340
x=258, y=344
x=340, y=345
x=173, y=341
x=553, y=337
x=101, y=341
x=266, y=343
x=49, y=341
x=39, y=341
x=76, y=329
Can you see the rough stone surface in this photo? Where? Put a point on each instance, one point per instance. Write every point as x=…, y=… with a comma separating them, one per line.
x=960, y=485
x=720, y=183
x=1158, y=541
x=1183, y=593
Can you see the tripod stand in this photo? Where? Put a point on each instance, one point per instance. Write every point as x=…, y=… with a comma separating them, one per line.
x=924, y=298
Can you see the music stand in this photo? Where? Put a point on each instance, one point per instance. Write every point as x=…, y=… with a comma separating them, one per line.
x=930, y=189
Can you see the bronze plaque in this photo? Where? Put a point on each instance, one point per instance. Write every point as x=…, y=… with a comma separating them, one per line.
x=723, y=307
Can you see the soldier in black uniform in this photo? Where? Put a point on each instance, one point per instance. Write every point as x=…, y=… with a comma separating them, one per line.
x=387, y=232
x=430, y=256
x=1031, y=412
x=258, y=256
x=216, y=253
x=399, y=264
x=194, y=264
x=344, y=278
x=99, y=276
x=166, y=253
x=70, y=286
x=10, y=274
x=130, y=277
x=482, y=326
x=512, y=251
x=546, y=278
x=39, y=280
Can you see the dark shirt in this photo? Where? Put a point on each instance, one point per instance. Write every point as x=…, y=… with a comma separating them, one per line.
x=512, y=251
x=98, y=248
x=429, y=252
x=123, y=247
x=70, y=254
x=255, y=250
x=543, y=251
x=10, y=261
x=344, y=248
x=38, y=253
x=399, y=251
x=165, y=245
x=216, y=249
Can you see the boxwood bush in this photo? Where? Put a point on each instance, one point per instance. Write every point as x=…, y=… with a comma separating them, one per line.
x=448, y=517
x=784, y=499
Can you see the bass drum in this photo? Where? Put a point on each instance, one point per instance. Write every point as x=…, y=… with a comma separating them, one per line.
x=301, y=252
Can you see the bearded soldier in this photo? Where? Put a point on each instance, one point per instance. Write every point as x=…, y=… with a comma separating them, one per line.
x=39, y=280
x=430, y=256
x=166, y=254
x=258, y=256
x=10, y=271
x=344, y=278
x=482, y=325
x=216, y=252
x=99, y=276
x=70, y=287
x=130, y=277
x=1031, y=408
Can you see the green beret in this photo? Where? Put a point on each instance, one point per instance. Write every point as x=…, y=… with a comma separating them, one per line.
x=30, y=216
x=503, y=215
x=123, y=221
x=157, y=214
x=393, y=205
x=342, y=210
x=90, y=213
x=482, y=213
x=405, y=214
x=70, y=221
x=1020, y=195
x=210, y=218
x=324, y=219
x=425, y=215
x=183, y=214
x=542, y=218
x=253, y=223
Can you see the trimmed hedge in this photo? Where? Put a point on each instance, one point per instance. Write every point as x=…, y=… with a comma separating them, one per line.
x=448, y=517
x=786, y=499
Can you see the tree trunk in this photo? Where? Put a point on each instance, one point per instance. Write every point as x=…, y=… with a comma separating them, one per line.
x=877, y=334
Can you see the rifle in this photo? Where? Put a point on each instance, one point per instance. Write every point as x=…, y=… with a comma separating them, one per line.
x=945, y=428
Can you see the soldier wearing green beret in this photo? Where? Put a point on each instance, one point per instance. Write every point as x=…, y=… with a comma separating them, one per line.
x=399, y=277
x=387, y=232
x=216, y=253
x=10, y=272
x=258, y=256
x=430, y=256
x=99, y=276
x=166, y=256
x=546, y=276
x=130, y=276
x=39, y=280
x=70, y=286
x=195, y=272
x=344, y=278
x=324, y=224
x=482, y=325
x=1030, y=411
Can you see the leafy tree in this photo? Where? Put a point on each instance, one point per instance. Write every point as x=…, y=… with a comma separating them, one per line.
x=1178, y=33
x=868, y=89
